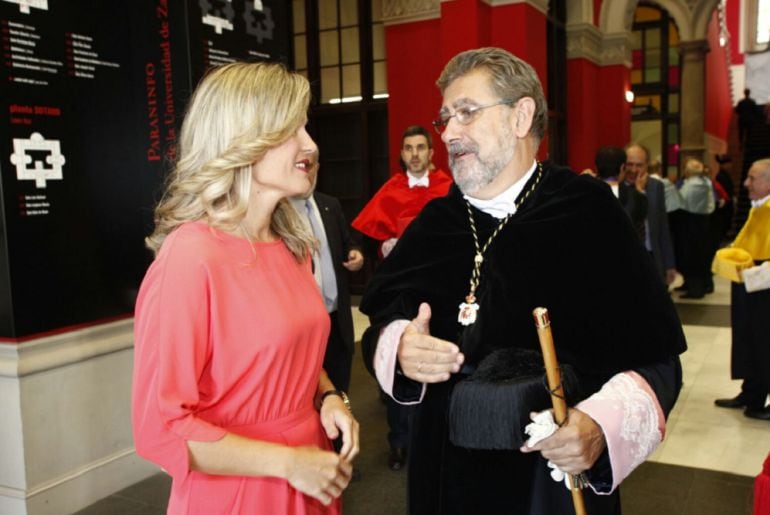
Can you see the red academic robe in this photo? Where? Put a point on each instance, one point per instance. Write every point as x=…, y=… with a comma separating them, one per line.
x=395, y=205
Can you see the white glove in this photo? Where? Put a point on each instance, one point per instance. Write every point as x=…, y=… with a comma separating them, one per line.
x=541, y=427
x=557, y=475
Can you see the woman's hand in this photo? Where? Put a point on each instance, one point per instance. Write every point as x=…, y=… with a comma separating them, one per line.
x=318, y=473
x=336, y=418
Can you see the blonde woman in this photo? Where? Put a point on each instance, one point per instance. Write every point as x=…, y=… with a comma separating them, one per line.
x=229, y=396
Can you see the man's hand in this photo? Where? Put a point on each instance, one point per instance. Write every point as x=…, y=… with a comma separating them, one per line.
x=670, y=275
x=641, y=181
x=423, y=357
x=355, y=260
x=575, y=446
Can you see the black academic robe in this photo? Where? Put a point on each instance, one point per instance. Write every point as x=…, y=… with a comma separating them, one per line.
x=750, y=355
x=570, y=248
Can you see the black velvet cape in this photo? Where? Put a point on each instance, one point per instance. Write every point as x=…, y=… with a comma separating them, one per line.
x=570, y=248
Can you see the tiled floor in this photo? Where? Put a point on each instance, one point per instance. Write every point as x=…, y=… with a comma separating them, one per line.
x=705, y=466
x=700, y=434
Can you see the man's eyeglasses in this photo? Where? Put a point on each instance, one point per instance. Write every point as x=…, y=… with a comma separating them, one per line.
x=464, y=115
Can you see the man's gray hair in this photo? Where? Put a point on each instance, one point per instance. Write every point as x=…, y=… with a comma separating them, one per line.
x=510, y=77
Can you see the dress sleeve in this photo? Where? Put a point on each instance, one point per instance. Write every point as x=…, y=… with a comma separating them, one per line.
x=172, y=349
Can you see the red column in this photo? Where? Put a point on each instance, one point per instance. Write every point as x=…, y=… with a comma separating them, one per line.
x=733, y=12
x=413, y=67
x=418, y=51
x=597, y=111
x=582, y=110
x=613, y=115
x=464, y=25
x=718, y=96
x=521, y=29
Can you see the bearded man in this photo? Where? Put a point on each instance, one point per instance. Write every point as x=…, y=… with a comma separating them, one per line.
x=459, y=288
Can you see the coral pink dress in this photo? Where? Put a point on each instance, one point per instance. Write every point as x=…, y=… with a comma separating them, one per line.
x=227, y=341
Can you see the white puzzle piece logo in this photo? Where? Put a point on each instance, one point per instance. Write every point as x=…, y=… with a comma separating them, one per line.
x=32, y=167
x=260, y=29
x=218, y=22
x=24, y=5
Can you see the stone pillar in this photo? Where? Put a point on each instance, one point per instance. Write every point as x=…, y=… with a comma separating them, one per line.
x=598, y=73
x=692, y=134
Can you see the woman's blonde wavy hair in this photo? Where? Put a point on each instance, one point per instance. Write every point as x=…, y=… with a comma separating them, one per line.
x=237, y=113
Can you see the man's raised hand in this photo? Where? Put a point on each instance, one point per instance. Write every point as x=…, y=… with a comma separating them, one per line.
x=425, y=358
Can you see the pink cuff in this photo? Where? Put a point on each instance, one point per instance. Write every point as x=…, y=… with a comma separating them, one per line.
x=628, y=412
x=386, y=357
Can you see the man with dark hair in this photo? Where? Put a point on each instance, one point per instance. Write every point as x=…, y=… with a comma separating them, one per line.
x=610, y=164
x=399, y=200
x=383, y=219
x=455, y=298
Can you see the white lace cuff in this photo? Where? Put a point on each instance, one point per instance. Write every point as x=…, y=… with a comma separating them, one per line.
x=628, y=412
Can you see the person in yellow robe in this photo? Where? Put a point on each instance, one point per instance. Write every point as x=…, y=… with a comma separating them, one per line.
x=749, y=310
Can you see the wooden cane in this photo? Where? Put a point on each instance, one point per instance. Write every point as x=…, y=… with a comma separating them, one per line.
x=543, y=324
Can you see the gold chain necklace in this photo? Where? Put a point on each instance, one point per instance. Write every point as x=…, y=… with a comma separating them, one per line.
x=469, y=309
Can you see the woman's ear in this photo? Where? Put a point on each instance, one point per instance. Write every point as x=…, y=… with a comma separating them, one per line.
x=525, y=114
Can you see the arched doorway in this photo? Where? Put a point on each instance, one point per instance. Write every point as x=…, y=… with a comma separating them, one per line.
x=655, y=82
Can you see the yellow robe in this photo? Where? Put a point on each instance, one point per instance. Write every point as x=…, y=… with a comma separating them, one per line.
x=755, y=235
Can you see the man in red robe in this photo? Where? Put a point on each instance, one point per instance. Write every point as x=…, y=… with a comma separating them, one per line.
x=404, y=195
x=384, y=218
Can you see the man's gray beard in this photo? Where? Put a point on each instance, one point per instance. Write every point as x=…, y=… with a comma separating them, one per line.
x=482, y=172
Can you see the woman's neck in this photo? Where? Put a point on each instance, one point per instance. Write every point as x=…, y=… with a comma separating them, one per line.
x=257, y=223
